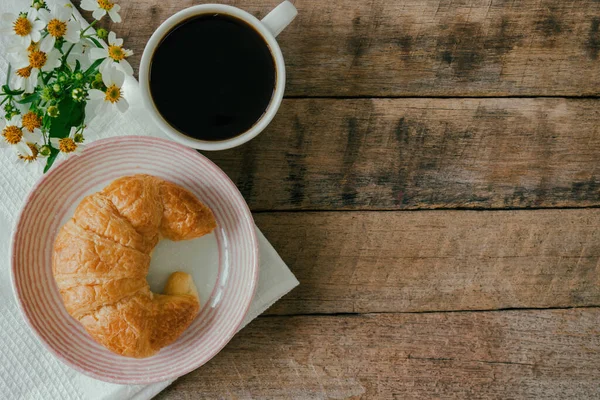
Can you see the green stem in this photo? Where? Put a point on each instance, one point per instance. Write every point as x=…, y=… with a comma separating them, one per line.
x=67, y=53
x=91, y=36
x=89, y=26
x=47, y=78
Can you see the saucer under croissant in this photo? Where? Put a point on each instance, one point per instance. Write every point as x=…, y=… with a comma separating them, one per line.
x=222, y=264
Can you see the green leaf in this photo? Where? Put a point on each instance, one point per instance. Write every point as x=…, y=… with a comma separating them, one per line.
x=51, y=159
x=46, y=121
x=95, y=41
x=29, y=99
x=48, y=77
x=71, y=113
x=77, y=65
x=93, y=67
x=7, y=90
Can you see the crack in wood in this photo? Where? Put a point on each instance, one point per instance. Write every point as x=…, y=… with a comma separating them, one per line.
x=411, y=357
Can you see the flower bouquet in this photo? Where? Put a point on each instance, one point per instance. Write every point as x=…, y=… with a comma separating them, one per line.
x=61, y=75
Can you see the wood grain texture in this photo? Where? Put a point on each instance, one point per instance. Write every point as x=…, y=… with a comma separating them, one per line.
x=493, y=355
x=421, y=154
x=374, y=154
x=420, y=47
x=365, y=262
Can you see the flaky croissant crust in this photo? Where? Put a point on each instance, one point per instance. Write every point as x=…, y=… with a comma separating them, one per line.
x=101, y=259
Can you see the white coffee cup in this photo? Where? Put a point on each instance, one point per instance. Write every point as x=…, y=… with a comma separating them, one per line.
x=268, y=28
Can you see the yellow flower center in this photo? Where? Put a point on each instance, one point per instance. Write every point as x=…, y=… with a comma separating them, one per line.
x=116, y=52
x=34, y=153
x=24, y=72
x=113, y=94
x=106, y=4
x=67, y=145
x=22, y=26
x=31, y=121
x=57, y=28
x=37, y=59
x=12, y=134
x=31, y=48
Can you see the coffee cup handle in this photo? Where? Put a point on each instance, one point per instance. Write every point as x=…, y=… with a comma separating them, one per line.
x=280, y=17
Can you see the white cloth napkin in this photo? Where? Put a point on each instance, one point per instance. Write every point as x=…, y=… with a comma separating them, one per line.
x=27, y=370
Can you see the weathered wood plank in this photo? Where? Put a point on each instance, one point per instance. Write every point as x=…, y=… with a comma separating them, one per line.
x=421, y=47
x=378, y=154
x=437, y=260
x=493, y=355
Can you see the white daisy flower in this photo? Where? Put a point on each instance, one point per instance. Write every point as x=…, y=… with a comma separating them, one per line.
x=59, y=25
x=28, y=150
x=37, y=60
x=23, y=28
x=69, y=146
x=13, y=134
x=113, y=54
x=35, y=162
x=100, y=8
x=81, y=53
x=113, y=96
x=26, y=79
x=31, y=121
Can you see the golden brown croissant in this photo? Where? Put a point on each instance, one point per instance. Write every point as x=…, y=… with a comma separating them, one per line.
x=102, y=255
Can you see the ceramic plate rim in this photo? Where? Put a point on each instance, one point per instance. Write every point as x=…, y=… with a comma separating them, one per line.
x=63, y=166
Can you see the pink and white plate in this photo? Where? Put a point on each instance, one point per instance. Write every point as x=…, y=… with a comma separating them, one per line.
x=224, y=264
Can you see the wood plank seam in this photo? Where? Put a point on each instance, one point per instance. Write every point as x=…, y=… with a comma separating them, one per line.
x=421, y=47
x=513, y=354
x=353, y=314
x=437, y=260
x=399, y=154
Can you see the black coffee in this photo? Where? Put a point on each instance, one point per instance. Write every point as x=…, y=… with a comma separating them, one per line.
x=212, y=77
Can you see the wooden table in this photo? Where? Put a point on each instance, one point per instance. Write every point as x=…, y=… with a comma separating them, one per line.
x=433, y=180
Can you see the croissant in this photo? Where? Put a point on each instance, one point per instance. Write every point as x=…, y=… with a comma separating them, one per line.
x=101, y=259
